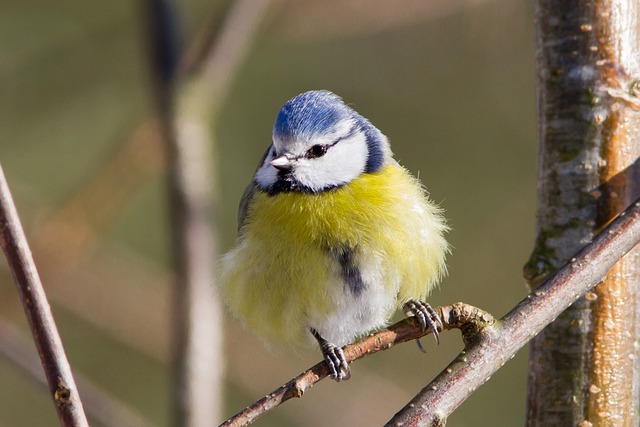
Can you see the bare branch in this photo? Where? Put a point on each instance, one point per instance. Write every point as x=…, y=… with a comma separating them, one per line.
x=137, y=159
x=496, y=345
x=231, y=46
x=36, y=307
x=585, y=367
x=187, y=105
x=469, y=319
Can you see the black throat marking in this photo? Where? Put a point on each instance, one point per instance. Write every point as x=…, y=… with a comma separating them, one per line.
x=286, y=183
x=350, y=271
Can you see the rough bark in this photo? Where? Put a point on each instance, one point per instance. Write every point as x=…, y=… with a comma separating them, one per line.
x=584, y=366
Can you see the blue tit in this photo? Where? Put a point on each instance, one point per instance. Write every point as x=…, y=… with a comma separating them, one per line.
x=334, y=235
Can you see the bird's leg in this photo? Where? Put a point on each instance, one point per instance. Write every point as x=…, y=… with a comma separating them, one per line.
x=333, y=355
x=427, y=316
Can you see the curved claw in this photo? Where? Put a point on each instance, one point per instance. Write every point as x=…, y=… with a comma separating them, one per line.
x=338, y=366
x=427, y=316
x=334, y=356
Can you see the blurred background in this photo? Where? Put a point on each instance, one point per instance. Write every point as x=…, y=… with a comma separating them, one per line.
x=450, y=82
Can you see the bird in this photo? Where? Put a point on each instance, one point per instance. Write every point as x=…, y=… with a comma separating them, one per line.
x=334, y=235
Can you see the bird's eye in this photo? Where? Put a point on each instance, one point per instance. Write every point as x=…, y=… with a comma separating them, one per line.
x=317, y=151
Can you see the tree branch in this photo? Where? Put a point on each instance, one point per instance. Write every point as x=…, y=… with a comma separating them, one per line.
x=186, y=105
x=36, y=307
x=222, y=61
x=470, y=320
x=585, y=367
x=497, y=345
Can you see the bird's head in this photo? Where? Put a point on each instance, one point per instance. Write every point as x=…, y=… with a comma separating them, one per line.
x=320, y=143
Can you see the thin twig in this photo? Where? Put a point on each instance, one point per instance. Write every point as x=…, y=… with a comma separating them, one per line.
x=186, y=106
x=469, y=319
x=221, y=62
x=496, y=345
x=137, y=159
x=36, y=307
x=98, y=404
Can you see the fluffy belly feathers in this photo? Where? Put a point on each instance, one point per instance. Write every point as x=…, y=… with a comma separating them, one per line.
x=297, y=264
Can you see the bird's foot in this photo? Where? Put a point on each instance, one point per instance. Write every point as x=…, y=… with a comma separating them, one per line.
x=427, y=317
x=333, y=355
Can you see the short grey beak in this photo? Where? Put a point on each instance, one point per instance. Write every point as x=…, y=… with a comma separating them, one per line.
x=282, y=163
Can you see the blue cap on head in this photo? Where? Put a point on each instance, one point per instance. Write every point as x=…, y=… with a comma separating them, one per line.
x=310, y=113
x=316, y=112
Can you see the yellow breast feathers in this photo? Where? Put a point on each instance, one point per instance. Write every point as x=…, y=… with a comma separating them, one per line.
x=283, y=272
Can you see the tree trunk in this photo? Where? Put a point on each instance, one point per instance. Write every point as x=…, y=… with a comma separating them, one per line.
x=585, y=367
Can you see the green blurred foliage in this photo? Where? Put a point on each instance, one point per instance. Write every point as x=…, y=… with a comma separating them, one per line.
x=455, y=95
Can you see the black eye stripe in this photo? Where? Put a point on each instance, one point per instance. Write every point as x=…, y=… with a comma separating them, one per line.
x=351, y=132
x=320, y=150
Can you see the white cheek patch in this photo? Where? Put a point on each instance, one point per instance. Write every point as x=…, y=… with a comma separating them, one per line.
x=267, y=175
x=342, y=163
x=345, y=159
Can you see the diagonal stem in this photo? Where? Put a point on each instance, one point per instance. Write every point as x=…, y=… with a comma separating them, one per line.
x=36, y=307
x=493, y=347
x=461, y=316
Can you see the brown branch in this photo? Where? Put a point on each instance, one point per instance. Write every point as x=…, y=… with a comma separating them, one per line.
x=470, y=320
x=36, y=307
x=78, y=221
x=186, y=106
x=220, y=64
x=585, y=367
x=496, y=345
